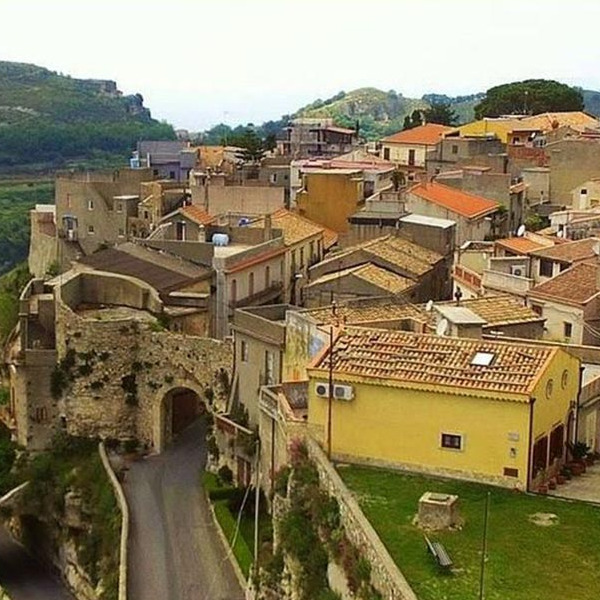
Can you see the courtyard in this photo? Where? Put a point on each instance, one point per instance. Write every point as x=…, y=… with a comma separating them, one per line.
x=538, y=547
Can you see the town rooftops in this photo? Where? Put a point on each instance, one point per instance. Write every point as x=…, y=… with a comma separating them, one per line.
x=387, y=281
x=577, y=120
x=296, y=228
x=395, y=250
x=569, y=252
x=390, y=357
x=454, y=200
x=423, y=135
x=496, y=311
x=575, y=286
x=197, y=215
x=525, y=245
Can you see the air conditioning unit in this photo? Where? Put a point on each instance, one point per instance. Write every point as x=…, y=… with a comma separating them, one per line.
x=518, y=271
x=322, y=390
x=343, y=392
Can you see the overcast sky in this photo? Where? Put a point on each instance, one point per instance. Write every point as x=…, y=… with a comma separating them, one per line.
x=201, y=62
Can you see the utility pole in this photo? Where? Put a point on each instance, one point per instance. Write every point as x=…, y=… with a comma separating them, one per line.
x=484, y=547
x=256, y=510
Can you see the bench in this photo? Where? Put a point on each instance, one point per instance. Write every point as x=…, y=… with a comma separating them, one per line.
x=439, y=553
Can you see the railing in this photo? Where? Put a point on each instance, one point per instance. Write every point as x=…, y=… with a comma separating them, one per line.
x=467, y=276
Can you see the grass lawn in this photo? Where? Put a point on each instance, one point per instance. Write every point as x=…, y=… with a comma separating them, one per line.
x=525, y=561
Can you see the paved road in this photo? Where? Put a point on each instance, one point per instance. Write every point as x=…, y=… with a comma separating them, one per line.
x=23, y=577
x=174, y=552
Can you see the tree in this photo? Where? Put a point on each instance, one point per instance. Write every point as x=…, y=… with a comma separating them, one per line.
x=414, y=120
x=253, y=148
x=529, y=97
x=441, y=113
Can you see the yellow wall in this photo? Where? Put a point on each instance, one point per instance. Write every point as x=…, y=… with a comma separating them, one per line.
x=330, y=198
x=487, y=126
x=404, y=426
x=550, y=411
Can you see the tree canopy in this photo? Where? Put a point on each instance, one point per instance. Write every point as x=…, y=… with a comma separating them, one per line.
x=413, y=120
x=529, y=97
x=441, y=113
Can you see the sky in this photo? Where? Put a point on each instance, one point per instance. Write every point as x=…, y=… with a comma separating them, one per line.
x=201, y=62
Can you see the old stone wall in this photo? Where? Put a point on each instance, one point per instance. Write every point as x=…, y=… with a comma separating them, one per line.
x=385, y=575
x=122, y=370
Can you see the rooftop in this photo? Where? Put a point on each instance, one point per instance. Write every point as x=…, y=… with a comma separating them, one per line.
x=575, y=286
x=494, y=310
x=396, y=251
x=196, y=214
x=461, y=315
x=552, y=120
x=455, y=200
x=429, y=360
x=570, y=252
x=524, y=245
x=426, y=135
x=429, y=221
x=387, y=281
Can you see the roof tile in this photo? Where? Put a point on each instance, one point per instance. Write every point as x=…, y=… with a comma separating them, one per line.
x=425, y=135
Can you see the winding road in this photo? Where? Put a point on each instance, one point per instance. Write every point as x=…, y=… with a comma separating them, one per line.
x=23, y=577
x=175, y=552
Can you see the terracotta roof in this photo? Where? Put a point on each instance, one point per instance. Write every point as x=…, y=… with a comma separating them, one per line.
x=196, y=214
x=396, y=251
x=426, y=135
x=569, y=252
x=547, y=121
x=429, y=360
x=387, y=281
x=575, y=286
x=495, y=310
x=454, y=200
x=522, y=245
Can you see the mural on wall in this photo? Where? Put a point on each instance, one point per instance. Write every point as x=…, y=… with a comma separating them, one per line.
x=304, y=340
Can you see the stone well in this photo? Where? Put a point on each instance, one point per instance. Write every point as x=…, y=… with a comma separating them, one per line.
x=438, y=511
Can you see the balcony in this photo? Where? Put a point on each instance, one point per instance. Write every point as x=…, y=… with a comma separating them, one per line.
x=505, y=282
x=265, y=296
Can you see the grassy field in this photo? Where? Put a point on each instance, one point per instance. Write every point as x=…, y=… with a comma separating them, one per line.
x=525, y=561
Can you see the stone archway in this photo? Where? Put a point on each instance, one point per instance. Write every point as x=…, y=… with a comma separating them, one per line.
x=177, y=408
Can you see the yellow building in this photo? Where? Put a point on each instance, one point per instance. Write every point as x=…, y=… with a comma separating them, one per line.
x=488, y=126
x=330, y=196
x=465, y=408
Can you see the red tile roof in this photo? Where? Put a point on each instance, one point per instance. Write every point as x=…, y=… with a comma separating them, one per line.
x=455, y=200
x=426, y=135
x=521, y=245
x=570, y=252
x=196, y=214
x=575, y=286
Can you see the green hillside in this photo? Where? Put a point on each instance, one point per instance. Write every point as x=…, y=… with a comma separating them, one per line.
x=381, y=113
x=48, y=119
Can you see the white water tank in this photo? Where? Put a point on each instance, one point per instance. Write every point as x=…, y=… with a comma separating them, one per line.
x=220, y=239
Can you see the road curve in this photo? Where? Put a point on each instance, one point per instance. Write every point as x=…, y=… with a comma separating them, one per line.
x=174, y=551
x=23, y=577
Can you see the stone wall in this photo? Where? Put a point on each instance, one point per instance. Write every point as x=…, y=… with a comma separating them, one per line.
x=385, y=575
x=105, y=351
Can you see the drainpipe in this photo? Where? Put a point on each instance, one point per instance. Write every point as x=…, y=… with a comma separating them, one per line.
x=529, y=448
x=576, y=428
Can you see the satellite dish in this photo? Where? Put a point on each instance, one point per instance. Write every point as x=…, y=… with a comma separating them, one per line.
x=442, y=327
x=429, y=305
x=521, y=231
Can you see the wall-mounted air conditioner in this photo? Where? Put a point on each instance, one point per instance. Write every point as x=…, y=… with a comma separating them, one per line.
x=517, y=270
x=343, y=392
x=322, y=390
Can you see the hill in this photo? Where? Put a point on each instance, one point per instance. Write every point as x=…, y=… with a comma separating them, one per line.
x=382, y=113
x=48, y=119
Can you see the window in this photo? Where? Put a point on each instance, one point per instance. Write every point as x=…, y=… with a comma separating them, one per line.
x=549, y=388
x=568, y=329
x=386, y=154
x=180, y=231
x=302, y=258
x=267, y=276
x=454, y=149
x=119, y=207
x=274, y=178
x=91, y=229
x=41, y=414
x=564, y=380
x=293, y=261
x=244, y=351
x=545, y=268
x=452, y=441
x=171, y=174
x=251, y=284
x=583, y=191
x=411, y=157
x=537, y=309
x=483, y=359
x=146, y=215
x=233, y=292
x=557, y=438
x=90, y=205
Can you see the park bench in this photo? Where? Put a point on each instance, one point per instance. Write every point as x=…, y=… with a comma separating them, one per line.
x=440, y=553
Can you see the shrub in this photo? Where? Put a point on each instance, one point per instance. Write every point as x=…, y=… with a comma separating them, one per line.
x=282, y=477
x=131, y=445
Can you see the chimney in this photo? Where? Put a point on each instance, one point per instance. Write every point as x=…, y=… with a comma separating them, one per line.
x=268, y=228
